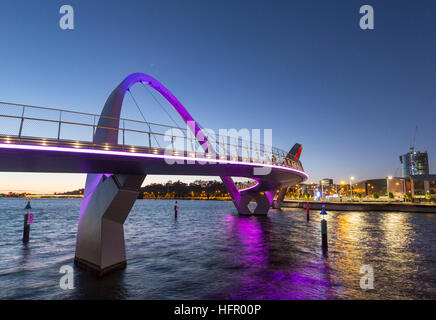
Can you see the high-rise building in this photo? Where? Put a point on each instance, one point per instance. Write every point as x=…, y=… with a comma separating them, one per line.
x=414, y=163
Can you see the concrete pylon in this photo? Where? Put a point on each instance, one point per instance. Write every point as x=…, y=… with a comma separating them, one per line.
x=242, y=198
x=109, y=198
x=279, y=199
x=106, y=204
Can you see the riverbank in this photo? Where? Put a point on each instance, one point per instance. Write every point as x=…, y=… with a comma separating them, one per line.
x=363, y=206
x=139, y=197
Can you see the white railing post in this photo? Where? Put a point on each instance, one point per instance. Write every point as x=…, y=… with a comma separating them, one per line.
x=21, y=124
x=59, y=127
x=93, y=129
x=124, y=131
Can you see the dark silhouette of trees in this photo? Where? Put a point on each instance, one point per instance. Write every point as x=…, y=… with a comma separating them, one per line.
x=198, y=189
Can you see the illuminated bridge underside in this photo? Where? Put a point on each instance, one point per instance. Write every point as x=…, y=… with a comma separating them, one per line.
x=50, y=159
x=116, y=174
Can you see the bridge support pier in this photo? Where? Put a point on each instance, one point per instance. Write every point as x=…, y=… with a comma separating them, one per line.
x=241, y=199
x=263, y=199
x=280, y=197
x=106, y=204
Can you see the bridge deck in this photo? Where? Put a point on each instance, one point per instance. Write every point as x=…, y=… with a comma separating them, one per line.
x=68, y=156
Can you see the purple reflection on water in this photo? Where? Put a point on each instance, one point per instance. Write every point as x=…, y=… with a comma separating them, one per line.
x=251, y=239
x=269, y=270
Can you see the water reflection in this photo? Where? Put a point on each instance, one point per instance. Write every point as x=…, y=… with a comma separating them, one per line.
x=90, y=286
x=210, y=252
x=250, y=240
x=275, y=272
x=397, y=231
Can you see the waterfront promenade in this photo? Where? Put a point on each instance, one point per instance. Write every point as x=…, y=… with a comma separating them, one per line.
x=363, y=206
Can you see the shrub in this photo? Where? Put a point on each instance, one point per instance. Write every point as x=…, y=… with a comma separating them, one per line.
x=375, y=195
x=408, y=197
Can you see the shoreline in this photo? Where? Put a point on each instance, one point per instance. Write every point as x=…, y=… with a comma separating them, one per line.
x=363, y=206
x=81, y=197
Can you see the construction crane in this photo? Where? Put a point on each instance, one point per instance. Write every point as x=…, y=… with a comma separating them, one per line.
x=412, y=146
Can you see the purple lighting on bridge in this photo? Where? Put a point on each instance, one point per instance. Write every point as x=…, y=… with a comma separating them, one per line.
x=252, y=187
x=144, y=155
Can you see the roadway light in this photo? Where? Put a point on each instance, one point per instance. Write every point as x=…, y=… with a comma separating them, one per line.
x=387, y=184
x=351, y=188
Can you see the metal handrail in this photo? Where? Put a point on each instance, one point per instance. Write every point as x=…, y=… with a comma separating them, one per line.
x=88, y=114
x=242, y=147
x=94, y=116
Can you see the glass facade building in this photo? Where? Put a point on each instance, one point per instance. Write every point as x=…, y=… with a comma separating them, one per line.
x=414, y=163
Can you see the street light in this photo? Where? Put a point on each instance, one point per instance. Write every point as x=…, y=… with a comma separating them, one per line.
x=351, y=187
x=387, y=184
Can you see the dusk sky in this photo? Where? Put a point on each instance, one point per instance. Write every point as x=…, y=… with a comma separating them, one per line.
x=304, y=69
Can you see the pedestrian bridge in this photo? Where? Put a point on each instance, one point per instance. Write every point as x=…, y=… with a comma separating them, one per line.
x=118, y=153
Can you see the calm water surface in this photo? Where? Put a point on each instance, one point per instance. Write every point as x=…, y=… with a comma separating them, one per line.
x=211, y=253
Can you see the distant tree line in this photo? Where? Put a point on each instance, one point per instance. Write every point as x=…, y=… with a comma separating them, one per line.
x=74, y=192
x=198, y=189
x=13, y=195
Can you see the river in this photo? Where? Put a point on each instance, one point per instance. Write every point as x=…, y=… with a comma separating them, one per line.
x=210, y=252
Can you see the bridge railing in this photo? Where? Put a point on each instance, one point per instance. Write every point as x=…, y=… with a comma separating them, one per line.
x=48, y=126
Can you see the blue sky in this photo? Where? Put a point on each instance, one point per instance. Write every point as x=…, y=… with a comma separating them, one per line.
x=302, y=68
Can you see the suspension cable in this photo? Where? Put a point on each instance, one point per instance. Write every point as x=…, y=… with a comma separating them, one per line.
x=162, y=107
x=210, y=139
x=139, y=109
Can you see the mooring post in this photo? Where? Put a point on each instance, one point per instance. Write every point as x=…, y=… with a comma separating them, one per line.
x=27, y=220
x=324, y=228
x=176, y=208
x=307, y=211
x=26, y=229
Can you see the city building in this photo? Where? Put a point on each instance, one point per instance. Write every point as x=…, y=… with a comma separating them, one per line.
x=417, y=186
x=414, y=163
x=382, y=187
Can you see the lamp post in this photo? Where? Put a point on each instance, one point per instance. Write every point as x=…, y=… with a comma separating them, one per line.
x=322, y=191
x=351, y=188
x=387, y=184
